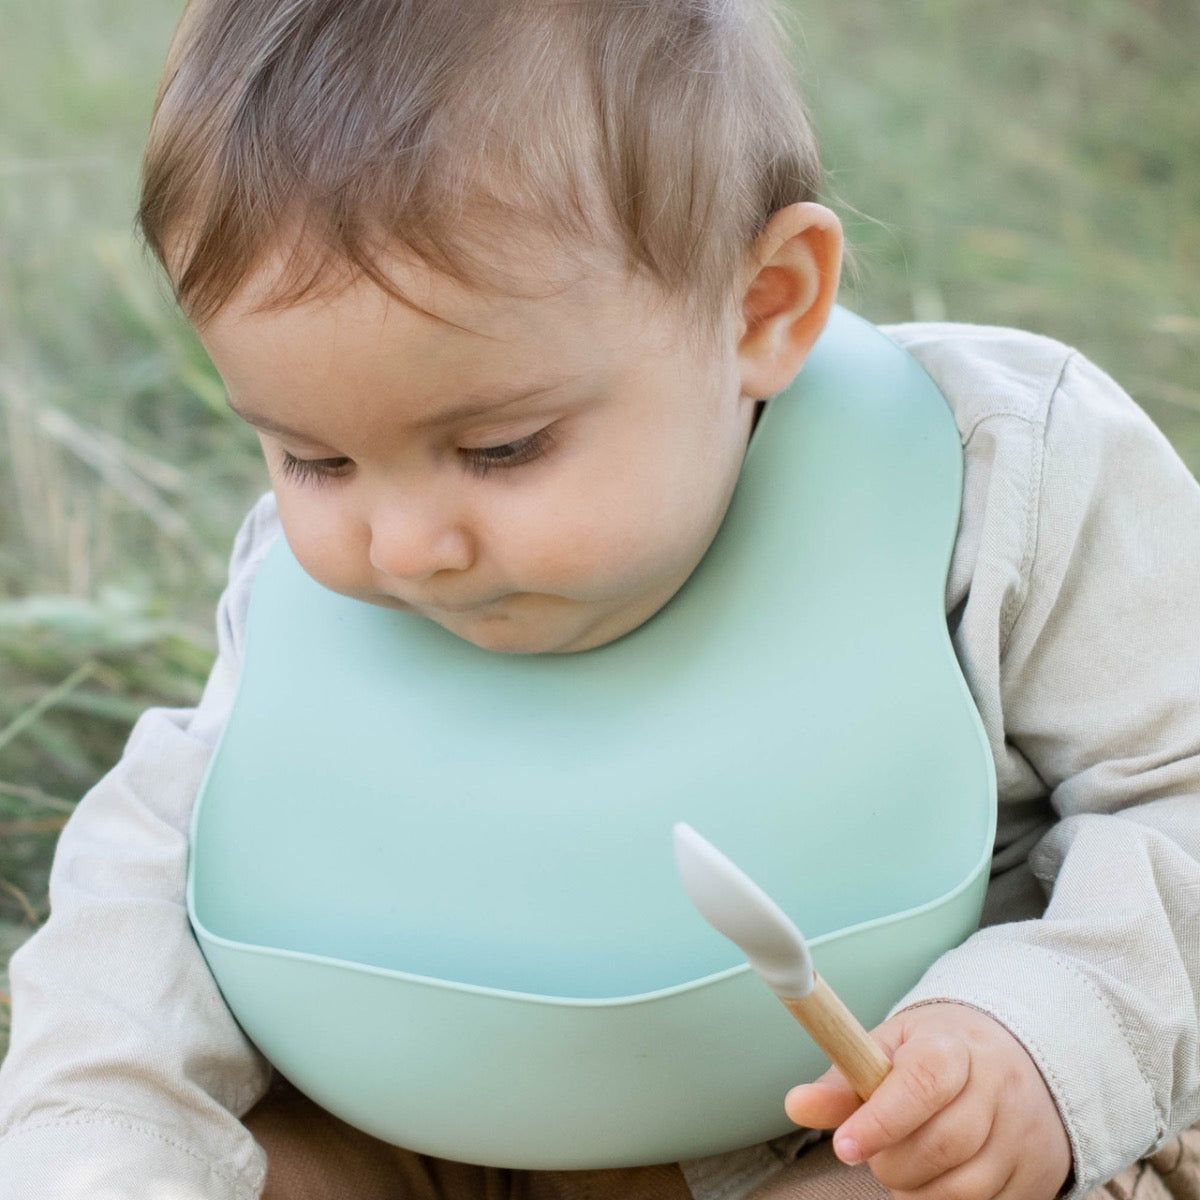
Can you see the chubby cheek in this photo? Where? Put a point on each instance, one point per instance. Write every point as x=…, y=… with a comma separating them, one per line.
x=610, y=546
x=328, y=544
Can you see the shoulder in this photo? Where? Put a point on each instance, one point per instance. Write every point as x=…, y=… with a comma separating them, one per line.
x=1039, y=389
x=988, y=373
x=1046, y=424
x=1054, y=452
x=1000, y=384
x=258, y=533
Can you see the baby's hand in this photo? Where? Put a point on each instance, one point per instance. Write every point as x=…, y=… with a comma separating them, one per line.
x=964, y=1114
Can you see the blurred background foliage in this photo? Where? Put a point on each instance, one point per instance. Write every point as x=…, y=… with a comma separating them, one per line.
x=1020, y=163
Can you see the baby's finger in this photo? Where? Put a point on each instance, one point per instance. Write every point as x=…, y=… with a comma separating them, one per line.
x=985, y=1176
x=823, y=1104
x=928, y=1073
x=948, y=1140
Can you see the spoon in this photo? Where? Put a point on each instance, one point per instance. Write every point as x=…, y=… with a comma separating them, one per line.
x=735, y=906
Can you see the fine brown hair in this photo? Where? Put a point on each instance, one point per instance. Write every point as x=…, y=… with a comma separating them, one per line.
x=342, y=131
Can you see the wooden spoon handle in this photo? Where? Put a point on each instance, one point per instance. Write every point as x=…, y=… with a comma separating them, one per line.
x=838, y=1032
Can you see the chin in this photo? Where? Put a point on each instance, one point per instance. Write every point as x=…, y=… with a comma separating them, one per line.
x=558, y=627
x=501, y=633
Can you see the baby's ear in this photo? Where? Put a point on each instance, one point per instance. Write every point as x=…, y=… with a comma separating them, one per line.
x=793, y=280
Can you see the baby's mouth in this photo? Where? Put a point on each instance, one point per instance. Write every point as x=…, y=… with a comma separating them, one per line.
x=458, y=608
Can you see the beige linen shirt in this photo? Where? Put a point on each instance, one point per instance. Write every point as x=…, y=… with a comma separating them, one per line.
x=1073, y=600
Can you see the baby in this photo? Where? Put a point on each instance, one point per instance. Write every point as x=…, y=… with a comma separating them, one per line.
x=502, y=286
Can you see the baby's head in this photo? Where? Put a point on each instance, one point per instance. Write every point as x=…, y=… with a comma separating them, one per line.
x=498, y=282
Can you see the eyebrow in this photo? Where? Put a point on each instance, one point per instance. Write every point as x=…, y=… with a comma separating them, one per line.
x=475, y=404
x=266, y=424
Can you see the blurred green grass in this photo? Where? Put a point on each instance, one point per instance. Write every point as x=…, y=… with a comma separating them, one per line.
x=1025, y=164
x=1020, y=164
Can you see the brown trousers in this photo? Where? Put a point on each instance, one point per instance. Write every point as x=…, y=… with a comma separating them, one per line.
x=314, y=1156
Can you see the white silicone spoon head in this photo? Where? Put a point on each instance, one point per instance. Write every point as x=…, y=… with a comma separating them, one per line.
x=734, y=905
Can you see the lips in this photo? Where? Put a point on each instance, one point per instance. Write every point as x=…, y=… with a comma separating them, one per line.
x=453, y=607
x=461, y=609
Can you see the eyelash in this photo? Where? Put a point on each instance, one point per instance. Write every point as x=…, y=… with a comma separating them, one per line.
x=485, y=459
x=312, y=470
x=480, y=461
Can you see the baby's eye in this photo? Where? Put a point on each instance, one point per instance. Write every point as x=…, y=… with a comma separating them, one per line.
x=482, y=459
x=313, y=470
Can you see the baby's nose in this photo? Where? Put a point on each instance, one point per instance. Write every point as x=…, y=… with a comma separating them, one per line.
x=413, y=546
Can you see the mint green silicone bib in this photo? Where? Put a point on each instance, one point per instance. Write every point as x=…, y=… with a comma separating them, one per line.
x=436, y=885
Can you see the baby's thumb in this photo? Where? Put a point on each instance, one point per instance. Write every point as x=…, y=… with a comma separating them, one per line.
x=823, y=1104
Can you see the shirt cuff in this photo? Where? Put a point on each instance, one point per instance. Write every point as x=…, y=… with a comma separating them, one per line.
x=105, y=1157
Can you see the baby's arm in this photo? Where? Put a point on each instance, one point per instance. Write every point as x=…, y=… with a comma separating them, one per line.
x=126, y=1072
x=1095, y=702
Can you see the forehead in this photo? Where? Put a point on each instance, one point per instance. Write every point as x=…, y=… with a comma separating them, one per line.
x=522, y=286
x=439, y=340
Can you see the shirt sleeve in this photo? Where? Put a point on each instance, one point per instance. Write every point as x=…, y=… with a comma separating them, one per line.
x=126, y=1073
x=1095, y=704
